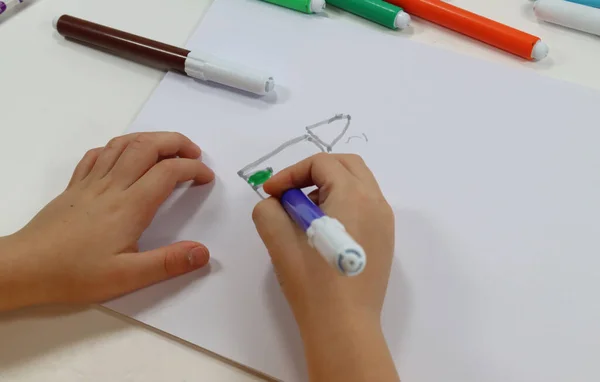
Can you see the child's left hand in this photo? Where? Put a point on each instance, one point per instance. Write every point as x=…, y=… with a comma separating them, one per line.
x=82, y=247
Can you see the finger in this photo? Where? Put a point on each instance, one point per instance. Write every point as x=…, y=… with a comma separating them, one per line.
x=109, y=155
x=279, y=234
x=322, y=170
x=314, y=197
x=85, y=165
x=145, y=150
x=160, y=181
x=137, y=270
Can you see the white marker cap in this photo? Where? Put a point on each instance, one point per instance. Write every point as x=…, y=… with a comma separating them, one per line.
x=209, y=68
x=402, y=20
x=540, y=50
x=329, y=237
x=317, y=6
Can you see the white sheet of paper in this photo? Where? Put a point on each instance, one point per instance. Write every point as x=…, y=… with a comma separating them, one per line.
x=493, y=173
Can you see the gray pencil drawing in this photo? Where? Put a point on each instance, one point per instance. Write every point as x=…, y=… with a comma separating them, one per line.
x=364, y=136
x=255, y=173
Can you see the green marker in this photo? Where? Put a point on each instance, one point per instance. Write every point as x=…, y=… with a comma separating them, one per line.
x=305, y=6
x=378, y=11
x=260, y=177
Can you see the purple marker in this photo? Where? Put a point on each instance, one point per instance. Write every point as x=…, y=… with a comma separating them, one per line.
x=5, y=5
x=327, y=235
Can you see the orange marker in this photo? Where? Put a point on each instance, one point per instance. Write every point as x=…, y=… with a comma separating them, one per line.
x=478, y=27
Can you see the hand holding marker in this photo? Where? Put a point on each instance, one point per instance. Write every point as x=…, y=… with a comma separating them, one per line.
x=325, y=234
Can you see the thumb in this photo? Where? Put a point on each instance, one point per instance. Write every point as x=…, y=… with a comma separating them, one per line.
x=281, y=236
x=138, y=270
x=273, y=224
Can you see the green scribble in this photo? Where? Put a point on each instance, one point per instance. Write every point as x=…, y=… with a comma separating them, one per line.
x=260, y=177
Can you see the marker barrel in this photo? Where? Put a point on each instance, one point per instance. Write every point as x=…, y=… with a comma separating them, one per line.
x=589, y=3
x=325, y=234
x=163, y=56
x=127, y=45
x=470, y=24
x=570, y=15
x=300, y=208
x=304, y=6
x=377, y=11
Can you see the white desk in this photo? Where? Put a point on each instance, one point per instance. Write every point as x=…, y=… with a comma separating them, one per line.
x=57, y=99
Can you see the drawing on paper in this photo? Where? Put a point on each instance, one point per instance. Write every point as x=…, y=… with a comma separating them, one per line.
x=321, y=137
x=363, y=136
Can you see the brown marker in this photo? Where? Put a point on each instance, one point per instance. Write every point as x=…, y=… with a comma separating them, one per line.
x=163, y=56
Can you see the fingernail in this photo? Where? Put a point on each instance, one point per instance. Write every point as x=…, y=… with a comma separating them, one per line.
x=198, y=256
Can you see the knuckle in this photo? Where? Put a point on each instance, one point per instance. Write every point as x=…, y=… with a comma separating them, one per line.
x=115, y=142
x=142, y=142
x=144, y=137
x=353, y=159
x=165, y=171
x=356, y=159
x=179, y=136
x=92, y=153
x=320, y=157
x=166, y=167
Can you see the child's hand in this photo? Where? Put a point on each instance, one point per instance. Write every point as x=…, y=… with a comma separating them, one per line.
x=82, y=247
x=338, y=316
x=349, y=192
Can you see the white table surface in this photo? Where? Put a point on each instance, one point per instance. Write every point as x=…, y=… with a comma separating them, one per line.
x=57, y=99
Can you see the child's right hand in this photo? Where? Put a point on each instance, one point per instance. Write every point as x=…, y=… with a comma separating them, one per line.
x=348, y=191
x=339, y=317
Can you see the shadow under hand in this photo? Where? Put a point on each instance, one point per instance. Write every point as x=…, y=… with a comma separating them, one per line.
x=427, y=308
x=30, y=334
x=278, y=96
x=159, y=294
x=395, y=315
